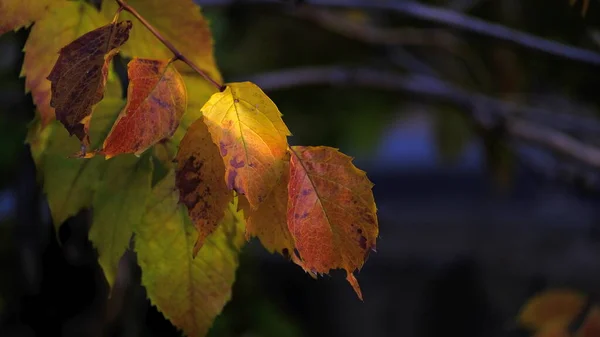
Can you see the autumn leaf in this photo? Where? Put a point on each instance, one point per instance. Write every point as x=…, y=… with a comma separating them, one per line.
x=331, y=212
x=21, y=13
x=189, y=33
x=156, y=100
x=80, y=74
x=269, y=221
x=189, y=291
x=557, y=307
x=252, y=138
x=63, y=24
x=199, y=179
x=118, y=206
x=69, y=183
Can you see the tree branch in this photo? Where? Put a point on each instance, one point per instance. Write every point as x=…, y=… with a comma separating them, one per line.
x=449, y=18
x=433, y=87
x=167, y=43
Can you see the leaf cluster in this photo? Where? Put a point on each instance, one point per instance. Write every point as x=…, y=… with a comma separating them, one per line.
x=188, y=168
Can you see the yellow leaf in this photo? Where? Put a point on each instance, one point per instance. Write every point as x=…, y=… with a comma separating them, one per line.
x=269, y=221
x=557, y=307
x=252, y=138
x=60, y=26
x=15, y=14
x=199, y=180
x=331, y=211
x=189, y=291
x=180, y=22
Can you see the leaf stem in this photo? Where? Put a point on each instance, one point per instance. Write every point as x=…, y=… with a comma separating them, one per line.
x=168, y=44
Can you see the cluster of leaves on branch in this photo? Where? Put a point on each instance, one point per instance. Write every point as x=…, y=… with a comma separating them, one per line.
x=561, y=313
x=190, y=168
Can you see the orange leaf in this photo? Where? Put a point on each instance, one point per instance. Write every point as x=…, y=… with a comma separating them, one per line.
x=199, y=178
x=252, y=139
x=269, y=221
x=331, y=211
x=80, y=73
x=557, y=307
x=156, y=100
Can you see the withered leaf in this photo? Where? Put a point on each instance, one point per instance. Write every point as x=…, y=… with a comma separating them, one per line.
x=80, y=73
x=63, y=23
x=199, y=178
x=331, y=211
x=156, y=100
x=252, y=139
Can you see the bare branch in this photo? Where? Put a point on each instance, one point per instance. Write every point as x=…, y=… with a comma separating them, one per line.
x=433, y=87
x=450, y=18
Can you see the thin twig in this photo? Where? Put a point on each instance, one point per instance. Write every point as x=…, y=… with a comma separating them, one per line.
x=168, y=44
x=433, y=87
x=450, y=18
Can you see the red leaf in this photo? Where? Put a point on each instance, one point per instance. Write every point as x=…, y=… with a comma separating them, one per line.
x=331, y=211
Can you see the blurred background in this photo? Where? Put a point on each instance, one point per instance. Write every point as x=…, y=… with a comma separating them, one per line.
x=477, y=120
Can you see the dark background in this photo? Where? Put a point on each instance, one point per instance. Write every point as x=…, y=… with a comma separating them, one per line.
x=472, y=221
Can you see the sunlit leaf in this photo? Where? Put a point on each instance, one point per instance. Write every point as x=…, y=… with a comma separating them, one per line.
x=80, y=74
x=156, y=100
x=557, y=307
x=118, y=206
x=269, y=222
x=200, y=182
x=180, y=22
x=59, y=26
x=331, y=212
x=252, y=138
x=189, y=291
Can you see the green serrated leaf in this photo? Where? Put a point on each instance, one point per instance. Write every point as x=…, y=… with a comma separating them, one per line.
x=119, y=205
x=189, y=291
x=69, y=183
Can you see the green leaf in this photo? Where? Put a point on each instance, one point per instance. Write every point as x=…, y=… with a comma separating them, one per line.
x=189, y=291
x=69, y=183
x=119, y=205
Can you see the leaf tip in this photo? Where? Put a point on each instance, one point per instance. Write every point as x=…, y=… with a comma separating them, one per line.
x=354, y=283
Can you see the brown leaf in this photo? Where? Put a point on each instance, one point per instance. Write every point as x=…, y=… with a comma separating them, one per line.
x=79, y=76
x=331, y=211
x=64, y=23
x=199, y=178
x=156, y=100
x=269, y=221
